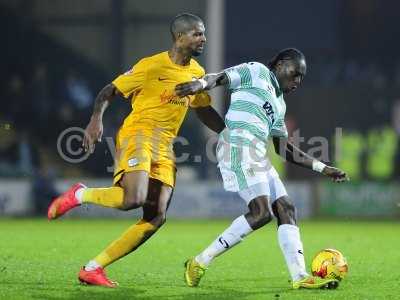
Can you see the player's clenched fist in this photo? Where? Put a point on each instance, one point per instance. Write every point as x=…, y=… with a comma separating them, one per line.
x=335, y=174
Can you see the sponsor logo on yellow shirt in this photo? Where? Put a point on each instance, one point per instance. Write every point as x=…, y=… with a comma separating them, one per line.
x=172, y=98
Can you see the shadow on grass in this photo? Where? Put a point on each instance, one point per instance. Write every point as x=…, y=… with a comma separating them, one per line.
x=153, y=292
x=91, y=292
x=169, y=290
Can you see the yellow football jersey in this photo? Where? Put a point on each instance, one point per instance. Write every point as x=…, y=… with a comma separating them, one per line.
x=150, y=86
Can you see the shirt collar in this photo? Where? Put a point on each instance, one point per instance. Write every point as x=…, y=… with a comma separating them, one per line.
x=275, y=83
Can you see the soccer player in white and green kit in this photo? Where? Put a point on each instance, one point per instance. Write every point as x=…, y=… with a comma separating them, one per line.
x=256, y=113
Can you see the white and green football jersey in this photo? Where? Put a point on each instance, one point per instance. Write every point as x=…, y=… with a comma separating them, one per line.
x=257, y=109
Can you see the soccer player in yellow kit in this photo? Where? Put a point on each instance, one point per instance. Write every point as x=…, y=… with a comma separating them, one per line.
x=144, y=174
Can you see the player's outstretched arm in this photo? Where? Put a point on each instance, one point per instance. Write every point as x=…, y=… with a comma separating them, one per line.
x=208, y=82
x=209, y=117
x=294, y=155
x=94, y=130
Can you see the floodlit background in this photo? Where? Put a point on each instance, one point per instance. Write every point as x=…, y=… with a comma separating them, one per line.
x=56, y=55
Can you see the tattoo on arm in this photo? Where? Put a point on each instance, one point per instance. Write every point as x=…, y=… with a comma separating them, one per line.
x=103, y=99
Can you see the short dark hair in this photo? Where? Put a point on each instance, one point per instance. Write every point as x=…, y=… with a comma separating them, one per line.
x=286, y=54
x=183, y=23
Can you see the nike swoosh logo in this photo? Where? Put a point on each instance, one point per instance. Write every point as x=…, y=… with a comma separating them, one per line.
x=162, y=79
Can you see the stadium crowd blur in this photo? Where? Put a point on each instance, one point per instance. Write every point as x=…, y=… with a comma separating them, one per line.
x=39, y=105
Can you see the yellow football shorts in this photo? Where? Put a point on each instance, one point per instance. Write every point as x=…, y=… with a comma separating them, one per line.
x=143, y=153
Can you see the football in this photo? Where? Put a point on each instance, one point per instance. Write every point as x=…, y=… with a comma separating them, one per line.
x=329, y=263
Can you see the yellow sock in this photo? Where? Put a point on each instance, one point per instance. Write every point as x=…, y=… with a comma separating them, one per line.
x=129, y=241
x=109, y=197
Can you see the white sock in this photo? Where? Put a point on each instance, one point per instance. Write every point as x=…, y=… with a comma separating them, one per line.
x=292, y=248
x=92, y=265
x=79, y=194
x=229, y=238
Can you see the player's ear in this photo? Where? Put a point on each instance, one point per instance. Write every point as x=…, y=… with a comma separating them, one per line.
x=179, y=36
x=279, y=65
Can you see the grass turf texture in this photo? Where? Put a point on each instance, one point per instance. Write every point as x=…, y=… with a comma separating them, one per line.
x=40, y=260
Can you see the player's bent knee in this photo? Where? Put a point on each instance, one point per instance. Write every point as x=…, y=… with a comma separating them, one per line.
x=263, y=218
x=291, y=210
x=260, y=213
x=133, y=200
x=159, y=220
x=152, y=214
x=285, y=211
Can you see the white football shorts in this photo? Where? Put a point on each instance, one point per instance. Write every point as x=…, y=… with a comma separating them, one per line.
x=247, y=173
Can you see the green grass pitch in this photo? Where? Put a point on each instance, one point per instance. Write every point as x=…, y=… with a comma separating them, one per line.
x=40, y=260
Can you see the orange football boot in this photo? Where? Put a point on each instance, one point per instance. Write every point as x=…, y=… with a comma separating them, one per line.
x=96, y=277
x=64, y=202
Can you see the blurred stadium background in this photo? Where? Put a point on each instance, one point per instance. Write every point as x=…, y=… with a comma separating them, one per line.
x=56, y=55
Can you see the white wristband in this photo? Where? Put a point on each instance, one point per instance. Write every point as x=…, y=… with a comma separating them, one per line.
x=318, y=166
x=203, y=83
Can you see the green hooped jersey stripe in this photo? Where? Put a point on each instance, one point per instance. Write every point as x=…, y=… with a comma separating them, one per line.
x=257, y=104
x=262, y=94
x=252, y=108
x=245, y=76
x=241, y=125
x=244, y=138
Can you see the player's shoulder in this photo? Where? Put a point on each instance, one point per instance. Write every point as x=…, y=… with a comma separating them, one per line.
x=254, y=66
x=150, y=63
x=154, y=58
x=257, y=65
x=197, y=68
x=142, y=63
